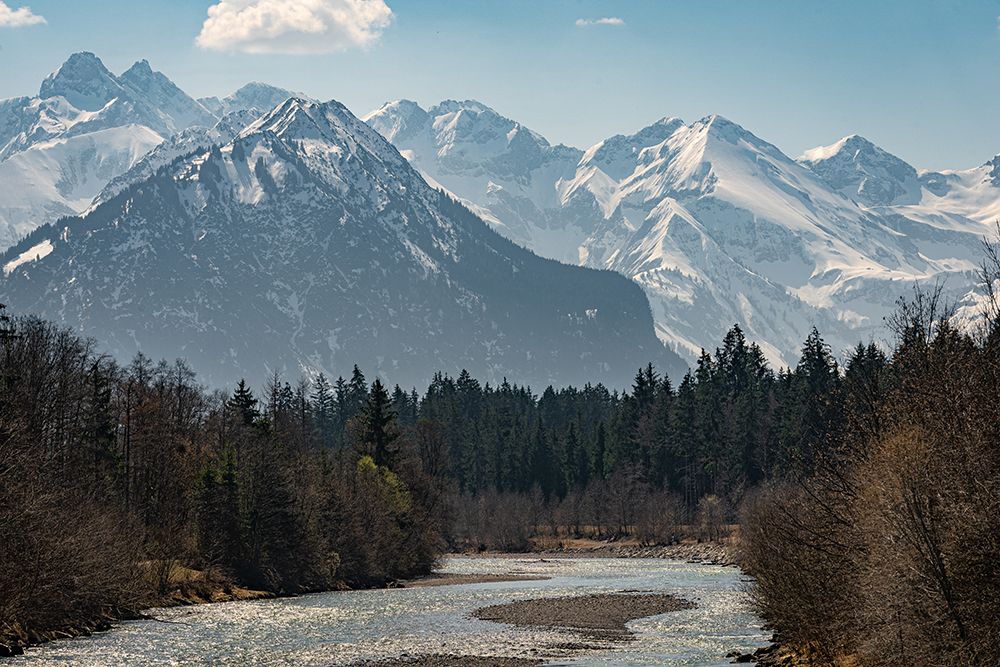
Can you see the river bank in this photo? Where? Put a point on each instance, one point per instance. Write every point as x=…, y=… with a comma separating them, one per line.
x=702, y=553
x=707, y=553
x=190, y=587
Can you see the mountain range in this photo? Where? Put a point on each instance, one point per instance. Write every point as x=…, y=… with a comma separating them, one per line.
x=305, y=243
x=718, y=226
x=86, y=127
x=229, y=201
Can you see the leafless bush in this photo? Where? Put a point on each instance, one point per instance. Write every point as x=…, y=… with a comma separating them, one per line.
x=660, y=518
x=799, y=554
x=711, y=516
x=494, y=521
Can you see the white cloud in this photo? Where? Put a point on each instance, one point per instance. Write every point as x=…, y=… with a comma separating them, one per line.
x=606, y=21
x=293, y=26
x=15, y=18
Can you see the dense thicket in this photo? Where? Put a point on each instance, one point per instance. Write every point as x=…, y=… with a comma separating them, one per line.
x=110, y=475
x=884, y=545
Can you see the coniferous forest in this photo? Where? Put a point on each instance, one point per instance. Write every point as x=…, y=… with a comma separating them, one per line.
x=866, y=492
x=112, y=475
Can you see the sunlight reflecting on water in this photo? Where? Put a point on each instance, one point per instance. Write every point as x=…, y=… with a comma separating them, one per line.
x=331, y=629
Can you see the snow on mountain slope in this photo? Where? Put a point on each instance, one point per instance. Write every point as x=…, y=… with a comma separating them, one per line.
x=307, y=243
x=960, y=196
x=182, y=143
x=737, y=232
x=254, y=95
x=863, y=172
x=60, y=177
x=177, y=108
x=881, y=182
x=83, y=81
x=499, y=168
x=87, y=127
x=149, y=97
x=718, y=226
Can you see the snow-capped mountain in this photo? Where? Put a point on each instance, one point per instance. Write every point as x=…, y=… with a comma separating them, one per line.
x=184, y=142
x=718, y=226
x=85, y=128
x=307, y=243
x=254, y=95
x=882, y=182
x=863, y=172
x=501, y=170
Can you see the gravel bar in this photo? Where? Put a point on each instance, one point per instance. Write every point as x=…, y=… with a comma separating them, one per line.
x=453, y=661
x=601, y=614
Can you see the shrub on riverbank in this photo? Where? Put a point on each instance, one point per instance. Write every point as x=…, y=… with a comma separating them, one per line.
x=885, y=546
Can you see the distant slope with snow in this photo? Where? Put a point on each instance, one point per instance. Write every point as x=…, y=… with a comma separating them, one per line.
x=718, y=226
x=306, y=243
x=88, y=127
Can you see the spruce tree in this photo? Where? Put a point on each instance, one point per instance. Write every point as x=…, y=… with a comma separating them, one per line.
x=244, y=403
x=377, y=421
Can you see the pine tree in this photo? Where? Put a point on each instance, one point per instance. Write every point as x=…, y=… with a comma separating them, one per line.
x=324, y=412
x=812, y=410
x=357, y=392
x=244, y=403
x=378, y=431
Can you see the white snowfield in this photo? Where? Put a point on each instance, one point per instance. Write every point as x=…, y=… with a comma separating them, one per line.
x=718, y=226
x=32, y=254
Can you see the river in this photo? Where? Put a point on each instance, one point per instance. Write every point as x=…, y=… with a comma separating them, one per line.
x=332, y=629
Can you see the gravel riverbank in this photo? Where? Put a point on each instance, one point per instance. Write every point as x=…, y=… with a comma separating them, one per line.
x=601, y=618
x=710, y=553
x=450, y=579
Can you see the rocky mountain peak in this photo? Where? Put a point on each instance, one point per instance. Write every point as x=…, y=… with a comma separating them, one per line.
x=84, y=81
x=398, y=121
x=254, y=95
x=139, y=71
x=862, y=171
x=617, y=155
x=298, y=118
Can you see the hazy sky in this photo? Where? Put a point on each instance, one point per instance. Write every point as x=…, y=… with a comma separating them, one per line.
x=921, y=78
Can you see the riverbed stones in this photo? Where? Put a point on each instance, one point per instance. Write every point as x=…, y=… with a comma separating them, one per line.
x=603, y=614
x=707, y=553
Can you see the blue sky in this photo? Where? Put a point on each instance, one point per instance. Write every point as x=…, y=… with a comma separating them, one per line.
x=920, y=78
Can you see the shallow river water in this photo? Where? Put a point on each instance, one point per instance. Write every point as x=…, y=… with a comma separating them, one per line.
x=332, y=629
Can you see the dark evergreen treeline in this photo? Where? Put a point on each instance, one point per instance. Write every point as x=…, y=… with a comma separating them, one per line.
x=111, y=476
x=730, y=424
